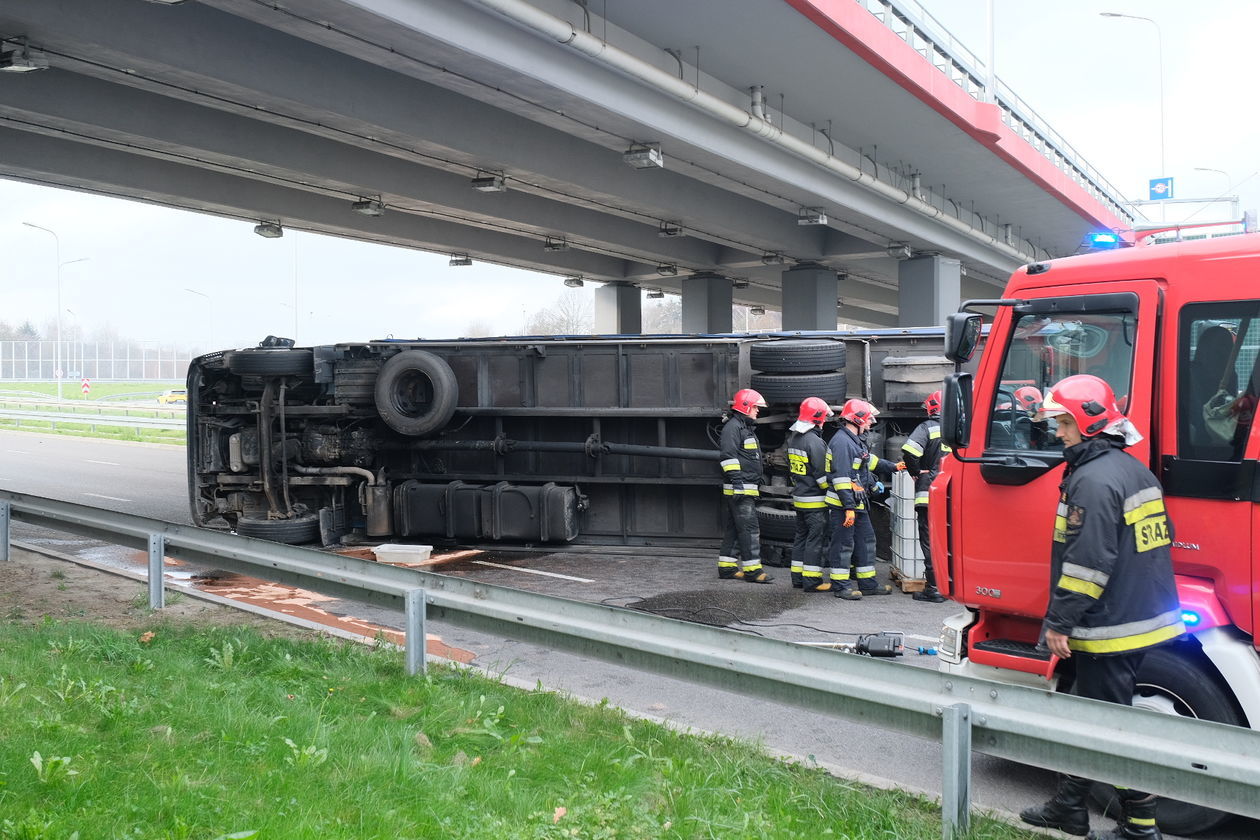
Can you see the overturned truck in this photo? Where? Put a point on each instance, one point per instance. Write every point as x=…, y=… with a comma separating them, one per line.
x=533, y=440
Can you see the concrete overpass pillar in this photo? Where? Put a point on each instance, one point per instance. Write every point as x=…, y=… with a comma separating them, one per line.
x=931, y=288
x=706, y=304
x=618, y=309
x=810, y=293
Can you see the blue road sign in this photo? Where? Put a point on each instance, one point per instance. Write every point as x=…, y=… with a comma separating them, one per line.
x=1161, y=188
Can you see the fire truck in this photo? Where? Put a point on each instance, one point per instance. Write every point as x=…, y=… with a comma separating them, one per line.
x=1174, y=329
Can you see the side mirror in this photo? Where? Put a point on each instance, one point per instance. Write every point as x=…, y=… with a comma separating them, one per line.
x=962, y=335
x=956, y=410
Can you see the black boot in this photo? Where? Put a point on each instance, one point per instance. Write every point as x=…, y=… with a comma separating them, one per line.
x=930, y=593
x=798, y=580
x=1137, y=821
x=754, y=574
x=1066, y=811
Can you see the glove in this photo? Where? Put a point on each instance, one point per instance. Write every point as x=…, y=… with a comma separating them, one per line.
x=901, y=465
x=879, y=487
x=849, y=518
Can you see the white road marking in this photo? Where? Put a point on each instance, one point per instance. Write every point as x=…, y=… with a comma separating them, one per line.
x=936, y=639
x=106, y=463
x=111, y=498
x=18, y=451
x=532, y=571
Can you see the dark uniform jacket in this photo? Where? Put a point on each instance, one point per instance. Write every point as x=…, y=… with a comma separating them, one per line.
x=854, y=469
x=1112, y=586
x=740, y=457
x=807, y=461
x=922, y=453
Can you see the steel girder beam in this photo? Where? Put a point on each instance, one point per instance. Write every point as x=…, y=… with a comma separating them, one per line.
x=189, y=134
x=493, y=39
x=234, y=65
x=44, y=159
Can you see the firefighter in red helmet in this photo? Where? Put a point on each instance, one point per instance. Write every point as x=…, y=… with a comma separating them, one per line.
x=807, y=462
x=852, y=469
x=740, y=455
x=1113, y=596
x=921, y=456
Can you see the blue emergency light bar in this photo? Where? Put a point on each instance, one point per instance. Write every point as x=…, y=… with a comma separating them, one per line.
x=1104, y=241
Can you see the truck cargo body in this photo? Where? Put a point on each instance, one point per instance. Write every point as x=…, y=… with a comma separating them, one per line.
x=603, y=440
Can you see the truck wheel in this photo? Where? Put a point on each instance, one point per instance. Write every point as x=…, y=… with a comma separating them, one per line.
x=776, y=523
x=300, y=529
x=267, y=362
x=1178, y=685
x=785, y=389
x=797, y=356
x=416, y=393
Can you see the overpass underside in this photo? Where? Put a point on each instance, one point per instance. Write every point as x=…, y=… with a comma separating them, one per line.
x=802, y=166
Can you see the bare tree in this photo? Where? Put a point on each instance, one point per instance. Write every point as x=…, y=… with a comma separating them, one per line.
x=477, y=329
x=570, y=314
x=663, y=316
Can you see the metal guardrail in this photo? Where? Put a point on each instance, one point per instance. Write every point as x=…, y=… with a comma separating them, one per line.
x=1207, y=763
x=93, y=419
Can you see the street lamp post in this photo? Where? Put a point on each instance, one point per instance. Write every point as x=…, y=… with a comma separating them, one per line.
x=1159, y=44
x=57, y=371
x=210, y=302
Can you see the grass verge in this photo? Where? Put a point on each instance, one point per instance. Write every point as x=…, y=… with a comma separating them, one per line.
x=185, y=732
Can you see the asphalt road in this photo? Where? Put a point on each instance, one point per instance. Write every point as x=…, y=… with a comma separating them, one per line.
x=149, y=480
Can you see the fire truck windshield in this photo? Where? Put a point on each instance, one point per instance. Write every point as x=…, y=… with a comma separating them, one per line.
x=1044, y=349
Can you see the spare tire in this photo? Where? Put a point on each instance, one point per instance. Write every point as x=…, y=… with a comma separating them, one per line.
x=806, y=355
x=300, y=529
x=260, y=361
x=416, y=393
x=783, y=389
x=776, y=523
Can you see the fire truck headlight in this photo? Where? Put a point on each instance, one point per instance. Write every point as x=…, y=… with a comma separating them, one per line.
x=950, y=649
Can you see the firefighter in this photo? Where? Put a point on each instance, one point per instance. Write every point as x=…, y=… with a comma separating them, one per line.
x=852, y=469
x=741, y=467
x=921, y=458
x=807, y=462
x=1113, y=596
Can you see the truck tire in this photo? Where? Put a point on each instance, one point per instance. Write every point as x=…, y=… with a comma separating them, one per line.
x=785, y=389
x=300, y=529
x=267, y=362
x=776, y=523
x=416, y=393
x=1178, y=684
x=797, y=356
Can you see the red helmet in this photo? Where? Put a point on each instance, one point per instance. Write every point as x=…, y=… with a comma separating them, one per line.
x=1028, y=397
x=932, y=405
x=746, y=400
x=1088, y=399
x=815, y=410
x=860, y=413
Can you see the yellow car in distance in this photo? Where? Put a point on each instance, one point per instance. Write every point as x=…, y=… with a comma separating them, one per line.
x=173, y=396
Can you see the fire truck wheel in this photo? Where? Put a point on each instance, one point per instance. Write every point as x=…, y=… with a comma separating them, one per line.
x=260, y=361
x=416, y=393
x=300, y=529
x=1175, y=680
x=797, y=355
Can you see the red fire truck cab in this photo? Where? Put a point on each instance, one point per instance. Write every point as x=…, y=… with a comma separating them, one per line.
x=1175, y=330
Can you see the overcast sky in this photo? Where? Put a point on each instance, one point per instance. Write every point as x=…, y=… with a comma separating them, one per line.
x=1094, y=79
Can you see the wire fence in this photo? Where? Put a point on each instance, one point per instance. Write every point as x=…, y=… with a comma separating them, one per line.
x=40, y=360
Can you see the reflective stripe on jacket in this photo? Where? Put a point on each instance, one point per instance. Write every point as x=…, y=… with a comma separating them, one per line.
x=807, y=461
x=923, y=452
x=1112, y=585
x=844, y=455
x=740, y=457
